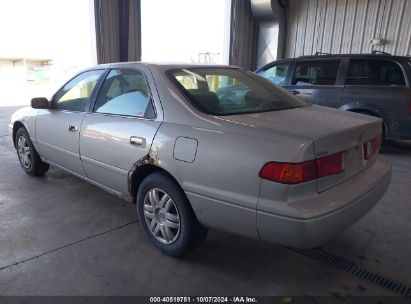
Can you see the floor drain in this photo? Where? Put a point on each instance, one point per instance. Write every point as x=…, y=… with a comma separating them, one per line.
x=350, y=267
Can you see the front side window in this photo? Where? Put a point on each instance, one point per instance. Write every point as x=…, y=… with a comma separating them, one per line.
x=316, y=72
x=276, y=73
x=75, y=94
x=374, y=72
x=125, y=92
x=227, y=91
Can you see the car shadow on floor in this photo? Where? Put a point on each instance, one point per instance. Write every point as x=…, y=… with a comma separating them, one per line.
x=396, y=147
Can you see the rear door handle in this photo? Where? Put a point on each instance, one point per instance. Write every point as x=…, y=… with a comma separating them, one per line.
x=72, y=128
x=138, y=141
x=295, y=92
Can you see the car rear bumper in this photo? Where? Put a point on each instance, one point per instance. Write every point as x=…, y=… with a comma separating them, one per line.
x=310, y=232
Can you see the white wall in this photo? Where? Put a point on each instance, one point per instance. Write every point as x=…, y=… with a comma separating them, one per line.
x=347, y=26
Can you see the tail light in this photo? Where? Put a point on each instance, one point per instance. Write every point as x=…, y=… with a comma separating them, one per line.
x=288, y=173
x=331, y=165
x=295, y=173
x=372, y=147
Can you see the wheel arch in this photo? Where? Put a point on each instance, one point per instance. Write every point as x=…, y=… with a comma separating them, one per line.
x=144, y=170
x=365, y=111
x=370, y=112
x=16, y=126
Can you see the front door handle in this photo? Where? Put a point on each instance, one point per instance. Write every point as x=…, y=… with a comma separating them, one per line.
x=295, y=92
x=72, y=128
x=138, y=141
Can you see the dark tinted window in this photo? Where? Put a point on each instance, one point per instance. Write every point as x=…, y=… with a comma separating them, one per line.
x=374, y=72
x=125, y=92
x=277, y=73
x=226, y=91
x=75, y=94
x=322, y=72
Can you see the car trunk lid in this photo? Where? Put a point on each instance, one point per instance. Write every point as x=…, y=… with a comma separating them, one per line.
x=332, y=131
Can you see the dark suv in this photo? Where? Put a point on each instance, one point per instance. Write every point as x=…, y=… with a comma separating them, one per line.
x=377, y=84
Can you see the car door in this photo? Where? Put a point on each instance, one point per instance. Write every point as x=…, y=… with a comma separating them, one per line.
x=377, y=85
x=317, y=81
x=58, y=128
x=119, y=129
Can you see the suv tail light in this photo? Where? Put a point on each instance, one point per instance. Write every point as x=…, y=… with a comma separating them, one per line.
x=295, y=173
x=372, y=147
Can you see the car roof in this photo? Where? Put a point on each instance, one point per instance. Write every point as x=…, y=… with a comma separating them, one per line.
x=378, y=55
x=331, y=56
x=164, y=66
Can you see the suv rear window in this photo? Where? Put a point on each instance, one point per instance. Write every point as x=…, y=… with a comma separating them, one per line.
x=375, y=72
x=322, y=72
x=228, y=91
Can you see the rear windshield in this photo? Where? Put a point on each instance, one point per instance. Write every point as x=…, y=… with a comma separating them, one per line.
x=228, y=91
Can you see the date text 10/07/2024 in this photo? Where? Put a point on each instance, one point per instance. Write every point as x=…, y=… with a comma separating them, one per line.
x=234, y=299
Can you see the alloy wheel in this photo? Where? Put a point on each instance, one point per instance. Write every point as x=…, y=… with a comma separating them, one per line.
x=161, y=215
x=24, y=152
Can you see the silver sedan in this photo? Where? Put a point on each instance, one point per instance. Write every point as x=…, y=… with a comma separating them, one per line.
x=199, y=147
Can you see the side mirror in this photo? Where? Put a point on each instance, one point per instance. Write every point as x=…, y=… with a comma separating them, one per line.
x=40, y=103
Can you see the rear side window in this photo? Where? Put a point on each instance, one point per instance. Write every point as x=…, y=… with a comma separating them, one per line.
x=375, y=72
x=125, y=92
x=277, y=73
x=228, y=91
x=316, y=72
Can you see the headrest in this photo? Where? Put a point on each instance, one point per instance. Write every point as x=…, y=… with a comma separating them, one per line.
x=252, y=99
x=206, y=99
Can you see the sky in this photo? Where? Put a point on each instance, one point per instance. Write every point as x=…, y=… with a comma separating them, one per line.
x=47, y=29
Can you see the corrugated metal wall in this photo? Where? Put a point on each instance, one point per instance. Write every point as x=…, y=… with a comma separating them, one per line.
x=347, y=26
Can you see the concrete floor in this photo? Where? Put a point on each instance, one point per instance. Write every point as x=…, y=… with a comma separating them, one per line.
x=62, y=236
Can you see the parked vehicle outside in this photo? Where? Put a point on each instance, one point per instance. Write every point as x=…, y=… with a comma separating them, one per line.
x=374, y=84
x=199, y=147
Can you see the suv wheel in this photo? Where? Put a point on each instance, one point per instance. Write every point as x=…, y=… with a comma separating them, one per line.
x=28, y=156
x=166, y=216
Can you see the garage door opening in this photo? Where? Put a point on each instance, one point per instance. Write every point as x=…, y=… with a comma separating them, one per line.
x=43, y=47
x=185, y=30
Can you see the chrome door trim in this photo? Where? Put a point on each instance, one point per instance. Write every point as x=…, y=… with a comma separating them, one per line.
x=122, y=116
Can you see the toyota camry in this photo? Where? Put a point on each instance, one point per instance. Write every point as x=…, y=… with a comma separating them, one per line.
x=198, y=147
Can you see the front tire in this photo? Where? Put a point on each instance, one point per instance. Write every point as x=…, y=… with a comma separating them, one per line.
x=166, y=216
x=28, y=156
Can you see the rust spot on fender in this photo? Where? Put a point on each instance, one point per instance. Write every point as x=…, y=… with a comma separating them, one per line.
x=127, y=198
x=149, y=159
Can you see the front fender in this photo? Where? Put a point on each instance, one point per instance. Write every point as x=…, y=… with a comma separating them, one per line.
x=26, y=117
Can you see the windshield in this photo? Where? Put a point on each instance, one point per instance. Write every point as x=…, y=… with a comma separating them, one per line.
x=228, y=91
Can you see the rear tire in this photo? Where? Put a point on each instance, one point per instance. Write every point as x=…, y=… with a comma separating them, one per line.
x=166, y=216
x=28, y=156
